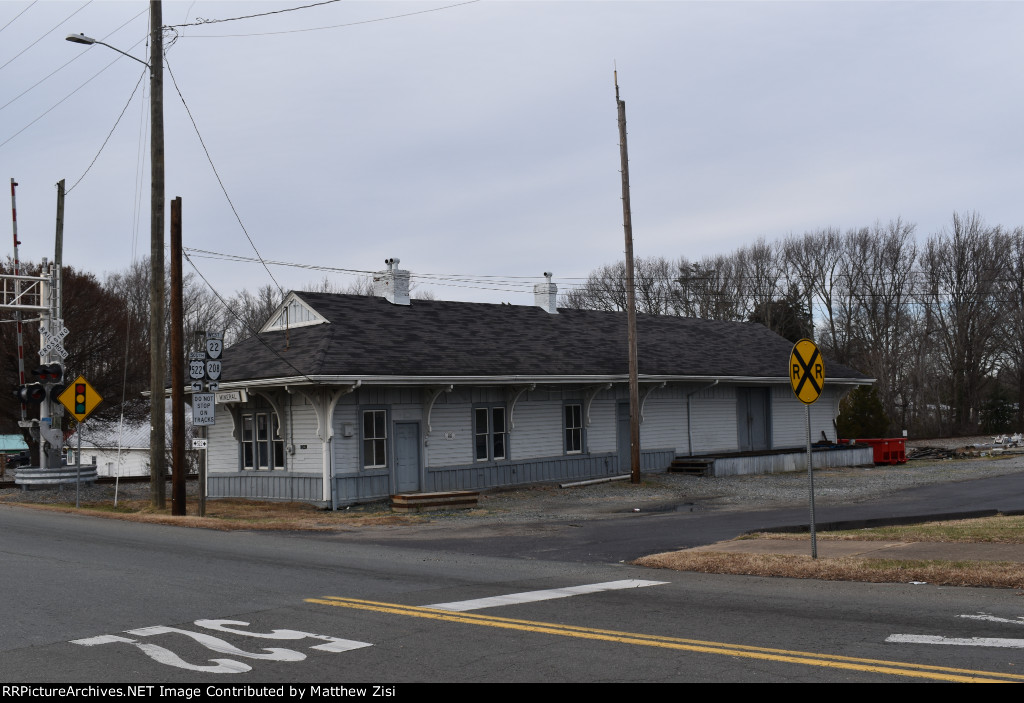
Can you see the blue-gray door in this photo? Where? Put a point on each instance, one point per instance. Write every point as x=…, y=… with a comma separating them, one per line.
x=753, y=418
x=407, y=457
x=622, y=437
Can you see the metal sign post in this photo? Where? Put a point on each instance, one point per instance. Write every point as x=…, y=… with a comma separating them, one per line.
x=807, y=378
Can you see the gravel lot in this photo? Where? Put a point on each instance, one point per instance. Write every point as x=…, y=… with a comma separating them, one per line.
x=657, y=492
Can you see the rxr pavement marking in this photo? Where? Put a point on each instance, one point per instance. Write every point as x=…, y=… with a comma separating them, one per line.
x=966, y=641
x=831, y=661
x=534, y=596
x=216, y=644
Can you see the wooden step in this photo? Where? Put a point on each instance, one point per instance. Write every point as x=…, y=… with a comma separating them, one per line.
x=692, y=466
x=424, y=502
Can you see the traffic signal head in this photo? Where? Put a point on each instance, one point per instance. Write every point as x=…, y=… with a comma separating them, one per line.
x=49, y=373
x=31, y=394
x=80, y=398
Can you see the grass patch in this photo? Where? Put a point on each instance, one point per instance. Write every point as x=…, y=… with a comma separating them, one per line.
x=943, y=573
x=241, y=514
x=1001, y=529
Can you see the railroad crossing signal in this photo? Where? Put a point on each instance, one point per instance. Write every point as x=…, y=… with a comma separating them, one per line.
x=806, y=371
x=80, y=399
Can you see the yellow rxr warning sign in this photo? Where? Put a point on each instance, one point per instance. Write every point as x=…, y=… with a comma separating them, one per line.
x=806, y=371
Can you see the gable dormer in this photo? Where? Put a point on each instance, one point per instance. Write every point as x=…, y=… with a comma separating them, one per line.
x=293, y=312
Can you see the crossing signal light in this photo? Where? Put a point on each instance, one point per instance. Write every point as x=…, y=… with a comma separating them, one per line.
x=31, y=394
x=80, y=399
x=49, y=373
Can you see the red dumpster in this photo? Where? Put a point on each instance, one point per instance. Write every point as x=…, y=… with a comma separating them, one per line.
x=887, y=451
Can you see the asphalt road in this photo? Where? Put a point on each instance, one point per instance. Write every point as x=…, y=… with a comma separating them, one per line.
x=111, y=601
x=628, y=537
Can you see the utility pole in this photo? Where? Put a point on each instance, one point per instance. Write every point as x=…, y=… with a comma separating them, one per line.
x=177, y=368
x=157, y=351
x=627, y=224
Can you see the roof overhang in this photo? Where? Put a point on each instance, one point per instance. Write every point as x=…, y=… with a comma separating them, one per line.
x=512, y=380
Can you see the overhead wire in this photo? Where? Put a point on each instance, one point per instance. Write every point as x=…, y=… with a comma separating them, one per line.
x=109, y=134
x=48, y=32
x=59, y=102
x=333, y=26
x=255, y=333
x=217, y=174
x=65, y=65
x=202, y=21
x=11, y=21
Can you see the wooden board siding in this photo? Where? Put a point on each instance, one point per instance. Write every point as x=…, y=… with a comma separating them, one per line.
x=789, y=427
x=264, y=484
x=538, y=431
x=714, y=420
x=795, y=461
x=664, y=423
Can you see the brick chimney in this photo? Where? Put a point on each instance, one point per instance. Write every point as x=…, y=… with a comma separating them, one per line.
x=392, y=284
x=545, y=295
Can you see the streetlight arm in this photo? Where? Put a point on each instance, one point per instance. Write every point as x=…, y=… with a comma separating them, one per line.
x=82, y=39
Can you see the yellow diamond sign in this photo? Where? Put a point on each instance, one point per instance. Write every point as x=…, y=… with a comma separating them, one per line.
x=80, y=398
x=806, y=371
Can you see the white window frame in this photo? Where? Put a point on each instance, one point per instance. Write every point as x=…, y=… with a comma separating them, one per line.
x=261, y=449
x=488, y=434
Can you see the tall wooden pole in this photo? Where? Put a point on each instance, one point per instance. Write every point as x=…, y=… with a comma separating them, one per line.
x=157, y=352
x=177, y=368
x=627, y=224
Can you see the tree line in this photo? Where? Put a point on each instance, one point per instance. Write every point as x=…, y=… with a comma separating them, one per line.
x=109, y=336
x=939, y=324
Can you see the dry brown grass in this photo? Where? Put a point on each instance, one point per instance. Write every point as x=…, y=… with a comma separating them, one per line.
x=241, y=514
x=944, y=573
x=1001, y=529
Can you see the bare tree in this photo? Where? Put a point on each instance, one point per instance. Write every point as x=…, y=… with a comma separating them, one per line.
x=605, y=288
x=961, y=273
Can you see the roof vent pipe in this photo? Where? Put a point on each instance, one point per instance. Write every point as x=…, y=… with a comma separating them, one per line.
x=545, y=295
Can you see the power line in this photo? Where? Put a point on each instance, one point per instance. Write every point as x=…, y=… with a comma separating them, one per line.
x=50, y=31
x=255, y=333
x=200, y=20
x=109, y=134
x=215, y=173
x=59, y=102
x=333, y=26
x=18, y=15
x=77, y=56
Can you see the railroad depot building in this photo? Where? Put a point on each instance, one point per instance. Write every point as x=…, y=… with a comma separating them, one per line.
x=346, y=398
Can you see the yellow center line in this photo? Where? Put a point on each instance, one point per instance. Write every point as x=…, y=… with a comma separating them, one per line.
x=881, y=666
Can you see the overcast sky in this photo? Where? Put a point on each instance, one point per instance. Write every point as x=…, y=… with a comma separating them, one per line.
x=480, y=139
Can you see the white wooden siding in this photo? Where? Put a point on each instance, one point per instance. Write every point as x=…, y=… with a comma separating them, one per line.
x=664, y=424
x=601, y=432
x=538, y=431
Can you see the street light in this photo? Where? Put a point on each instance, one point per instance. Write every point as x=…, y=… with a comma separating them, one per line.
x=89, y=41
x=157, y=380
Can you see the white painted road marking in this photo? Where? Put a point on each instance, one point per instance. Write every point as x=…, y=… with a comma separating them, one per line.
x=993, y=618
x=962, y=641
x=533, y=596
x=223, y=666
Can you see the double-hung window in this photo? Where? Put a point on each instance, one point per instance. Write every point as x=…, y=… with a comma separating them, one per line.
x=490, y=434
x=262, y=446
x=573, y=424
x=375, y=439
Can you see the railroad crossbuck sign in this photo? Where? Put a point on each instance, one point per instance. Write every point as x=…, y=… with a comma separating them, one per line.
x=80, y=398
x=806, y=371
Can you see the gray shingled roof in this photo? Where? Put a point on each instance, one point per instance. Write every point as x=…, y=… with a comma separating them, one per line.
x=369, y=336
